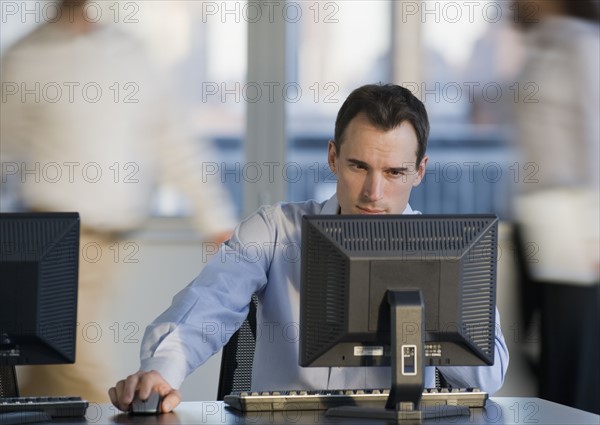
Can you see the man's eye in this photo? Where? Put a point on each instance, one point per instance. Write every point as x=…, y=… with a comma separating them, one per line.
x=396, y=173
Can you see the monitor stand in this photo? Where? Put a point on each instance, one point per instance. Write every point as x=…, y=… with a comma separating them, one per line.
x=8, y=382
x=407, y=342
x=9, y=388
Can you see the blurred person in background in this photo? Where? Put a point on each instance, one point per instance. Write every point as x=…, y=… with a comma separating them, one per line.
x=88, y=125
x=557, y=209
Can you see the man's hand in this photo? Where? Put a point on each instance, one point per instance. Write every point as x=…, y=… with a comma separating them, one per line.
x=121, y=395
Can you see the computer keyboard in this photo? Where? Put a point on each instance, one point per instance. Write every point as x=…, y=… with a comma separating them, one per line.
x=56, y=407
x=325, y=399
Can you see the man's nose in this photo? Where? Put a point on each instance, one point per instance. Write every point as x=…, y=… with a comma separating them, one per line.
x=373, y=188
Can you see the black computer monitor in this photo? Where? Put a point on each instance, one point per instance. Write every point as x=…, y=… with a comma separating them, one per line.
x=403, y=290
x=39, y=257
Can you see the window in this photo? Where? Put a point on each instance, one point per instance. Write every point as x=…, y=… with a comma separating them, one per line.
x=334, y=48
x=228, y=57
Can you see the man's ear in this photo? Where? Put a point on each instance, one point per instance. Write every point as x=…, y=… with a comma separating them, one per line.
x=332, y=156
x=421, y=171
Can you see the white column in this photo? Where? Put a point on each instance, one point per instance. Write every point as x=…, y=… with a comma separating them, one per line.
x=265, y=141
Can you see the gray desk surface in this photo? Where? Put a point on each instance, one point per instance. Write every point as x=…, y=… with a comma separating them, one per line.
x=500, y=410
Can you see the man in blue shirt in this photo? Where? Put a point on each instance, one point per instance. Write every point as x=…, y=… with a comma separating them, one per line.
x=378, y=155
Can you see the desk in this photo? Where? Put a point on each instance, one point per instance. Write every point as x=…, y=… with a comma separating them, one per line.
x=500, y=410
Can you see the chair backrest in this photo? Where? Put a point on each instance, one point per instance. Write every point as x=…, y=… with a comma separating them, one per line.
x=238, y=355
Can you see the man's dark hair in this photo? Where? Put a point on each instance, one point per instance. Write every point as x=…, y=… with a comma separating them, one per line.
x=386, y=107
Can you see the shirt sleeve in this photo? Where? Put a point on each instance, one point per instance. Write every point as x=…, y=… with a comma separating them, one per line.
x=204, y=315
x=486, y=378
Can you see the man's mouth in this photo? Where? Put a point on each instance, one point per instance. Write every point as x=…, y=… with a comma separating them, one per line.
x=366, y=210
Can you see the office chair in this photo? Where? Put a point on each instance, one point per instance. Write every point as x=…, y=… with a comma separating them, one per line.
x=237, y=356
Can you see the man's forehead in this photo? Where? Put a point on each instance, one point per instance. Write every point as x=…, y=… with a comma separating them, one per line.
x=365, y=139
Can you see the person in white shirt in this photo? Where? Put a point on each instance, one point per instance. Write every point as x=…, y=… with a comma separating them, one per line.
x=88, y=125
x=378, y=155
x=558, y=208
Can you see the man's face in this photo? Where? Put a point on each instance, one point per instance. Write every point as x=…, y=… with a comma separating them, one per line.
x=375, y=169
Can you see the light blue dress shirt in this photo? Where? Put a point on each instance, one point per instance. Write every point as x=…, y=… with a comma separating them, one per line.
x=263, y=257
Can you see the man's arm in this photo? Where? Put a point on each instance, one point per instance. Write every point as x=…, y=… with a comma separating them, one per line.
x=204, y=315
x=486, y=378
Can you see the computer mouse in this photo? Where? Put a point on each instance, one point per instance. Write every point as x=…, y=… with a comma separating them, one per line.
x=150, y=406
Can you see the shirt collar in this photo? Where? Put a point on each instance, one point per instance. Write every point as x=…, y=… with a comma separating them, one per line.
x=331, y=206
